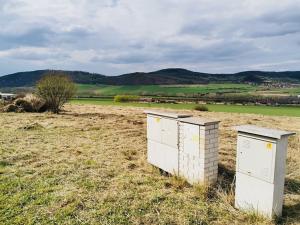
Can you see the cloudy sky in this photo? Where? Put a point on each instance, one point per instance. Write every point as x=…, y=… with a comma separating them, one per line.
x=119, y=36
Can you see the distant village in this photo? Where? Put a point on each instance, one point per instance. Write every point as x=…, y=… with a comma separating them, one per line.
x=7, y=96
x=272, y=84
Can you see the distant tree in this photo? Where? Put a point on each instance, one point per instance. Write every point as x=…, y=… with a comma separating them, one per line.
x=55, y=89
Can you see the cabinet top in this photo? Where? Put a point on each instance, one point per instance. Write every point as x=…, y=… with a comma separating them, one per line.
x=167, y=114
x=261, y=131
x=199, y=121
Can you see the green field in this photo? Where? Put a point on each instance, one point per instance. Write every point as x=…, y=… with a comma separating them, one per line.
x=264, y=110
x=162, y=90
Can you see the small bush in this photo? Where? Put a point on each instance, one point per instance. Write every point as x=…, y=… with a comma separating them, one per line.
x=126, y=98
x=55, y=89
x=201, y=108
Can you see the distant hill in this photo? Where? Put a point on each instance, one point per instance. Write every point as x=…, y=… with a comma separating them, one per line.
x=28, y=79
x=165, y=76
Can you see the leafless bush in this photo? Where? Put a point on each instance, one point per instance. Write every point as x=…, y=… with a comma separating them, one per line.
x=55, y=89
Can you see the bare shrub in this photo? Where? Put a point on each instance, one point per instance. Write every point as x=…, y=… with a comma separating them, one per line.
x=201, y=108
x=126, y=98
x=55, y=89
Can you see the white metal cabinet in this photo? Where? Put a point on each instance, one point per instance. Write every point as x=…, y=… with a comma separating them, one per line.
x=260, y=169
x=162, y=135
x=180, y=144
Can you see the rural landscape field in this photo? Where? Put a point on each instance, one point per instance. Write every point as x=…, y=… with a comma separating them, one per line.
x=293, y=111
x=85, y=162
x=149, y=112
x=88, y=165
x=183, y=90
x=163, y=90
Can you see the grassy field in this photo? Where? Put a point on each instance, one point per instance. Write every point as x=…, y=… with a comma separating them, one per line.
x=88, y=166
x=181, y=90
x=264, y=110
x=163, y=90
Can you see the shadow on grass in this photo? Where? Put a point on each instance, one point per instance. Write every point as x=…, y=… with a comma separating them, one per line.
x=290, y=214
x=226, y=178
x=292, y=186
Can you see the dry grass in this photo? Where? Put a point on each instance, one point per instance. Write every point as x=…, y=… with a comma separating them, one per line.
x=88, y=166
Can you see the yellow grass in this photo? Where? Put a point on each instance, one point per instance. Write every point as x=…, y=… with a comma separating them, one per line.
x=88, y=166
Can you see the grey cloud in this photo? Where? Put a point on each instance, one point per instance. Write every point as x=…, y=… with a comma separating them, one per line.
x=267, y=32
x=202, y=27
x=127, y=57
x=132, y=58
x=222, y=51
x=283, y=16
x=42, y=36
x=130, y=34
x=34, y=37
x=276, y=23
x=270, y=24
x=32, y=55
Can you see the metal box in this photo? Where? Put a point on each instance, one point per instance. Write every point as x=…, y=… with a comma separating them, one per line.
x=162, y=135
x=183, y=145
x=260, y=169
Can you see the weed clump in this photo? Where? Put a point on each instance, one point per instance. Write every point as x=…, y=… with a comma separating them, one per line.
x=201, y=108
x=126, y=98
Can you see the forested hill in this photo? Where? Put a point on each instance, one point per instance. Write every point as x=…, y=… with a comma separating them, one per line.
x=165, y=76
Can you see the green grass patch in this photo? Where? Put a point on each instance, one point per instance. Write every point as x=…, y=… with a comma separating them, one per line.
x=126, y=98
x=263, y=110
x=162, y=90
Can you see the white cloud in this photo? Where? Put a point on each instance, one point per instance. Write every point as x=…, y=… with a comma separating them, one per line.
x=119, y=36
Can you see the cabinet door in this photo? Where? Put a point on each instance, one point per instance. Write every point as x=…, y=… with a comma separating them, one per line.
x=190, y=164
x=154, y=128
x=255, y=157
x=163, y=156
x=169, y=132
x=191, y=139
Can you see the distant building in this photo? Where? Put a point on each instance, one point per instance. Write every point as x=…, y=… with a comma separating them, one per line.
x=7, y=96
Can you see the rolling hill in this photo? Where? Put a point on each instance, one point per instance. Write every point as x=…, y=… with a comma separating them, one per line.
x=165, y=76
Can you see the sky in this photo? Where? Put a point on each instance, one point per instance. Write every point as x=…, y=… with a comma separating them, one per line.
x=113, y=37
